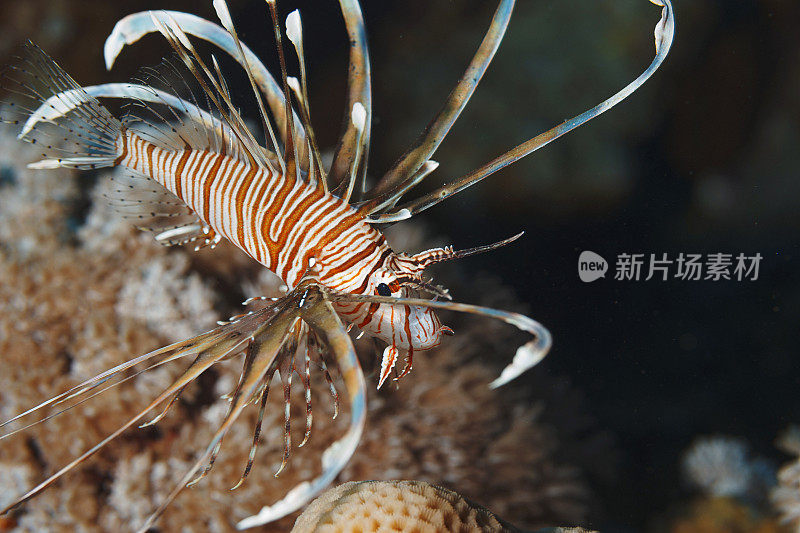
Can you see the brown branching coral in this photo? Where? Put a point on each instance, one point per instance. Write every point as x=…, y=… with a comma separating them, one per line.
x=450, y=429
x=184, y=295
x=82, y=293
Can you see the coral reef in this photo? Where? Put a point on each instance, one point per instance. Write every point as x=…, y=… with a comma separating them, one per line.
x=786, y=496
x=721, y=466
x=83, y=291
x=406, y=506
x=723, y=515
x=184, y=295
x=732, y=486
x=410, y=506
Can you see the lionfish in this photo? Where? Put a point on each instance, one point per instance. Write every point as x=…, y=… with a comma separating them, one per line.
x=196, y=174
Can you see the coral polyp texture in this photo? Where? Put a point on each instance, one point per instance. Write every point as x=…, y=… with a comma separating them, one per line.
x=75, y=282
x=403, y=506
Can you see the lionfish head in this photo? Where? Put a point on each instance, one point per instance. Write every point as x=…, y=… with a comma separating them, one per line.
x=407, y=270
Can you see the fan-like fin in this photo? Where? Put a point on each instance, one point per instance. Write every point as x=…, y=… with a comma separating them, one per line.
x=664, y=32
x=318, y=313
x=172, y=117
x=211, y=86
x=266, y=344
x=211, y=347
x=85, y=137
x=161, y=356
x=61, y=104
x=151, y=207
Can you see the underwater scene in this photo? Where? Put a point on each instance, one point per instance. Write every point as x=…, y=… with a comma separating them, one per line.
x=294, y=266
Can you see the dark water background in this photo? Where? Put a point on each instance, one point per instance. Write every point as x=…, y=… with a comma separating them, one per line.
x=703, y=159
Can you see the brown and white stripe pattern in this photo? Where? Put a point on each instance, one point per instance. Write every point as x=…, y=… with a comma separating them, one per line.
x=286, y=225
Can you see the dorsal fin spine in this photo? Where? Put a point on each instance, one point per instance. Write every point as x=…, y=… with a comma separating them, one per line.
x=180, y=43
x=292, y=172
x=294, y=31
x=224, y=15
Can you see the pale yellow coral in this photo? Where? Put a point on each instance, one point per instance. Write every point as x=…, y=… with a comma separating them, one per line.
x=394, y=506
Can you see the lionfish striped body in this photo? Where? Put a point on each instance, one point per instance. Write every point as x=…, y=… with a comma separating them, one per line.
x=197, y=175
x=291, y=226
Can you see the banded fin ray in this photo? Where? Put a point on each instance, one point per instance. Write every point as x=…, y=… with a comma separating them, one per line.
x=229, y=340
x=213, y=87
x=165, y=110
x=266, y=336
x=61, y=104
x=406, y=167
x=327, y=328
x=352, y=151
x=131, y=28
x=664, y=33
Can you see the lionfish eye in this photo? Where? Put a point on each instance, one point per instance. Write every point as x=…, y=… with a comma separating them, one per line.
x=384, y=290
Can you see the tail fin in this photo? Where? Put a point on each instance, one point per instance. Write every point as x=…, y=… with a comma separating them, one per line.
x=72, y=128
